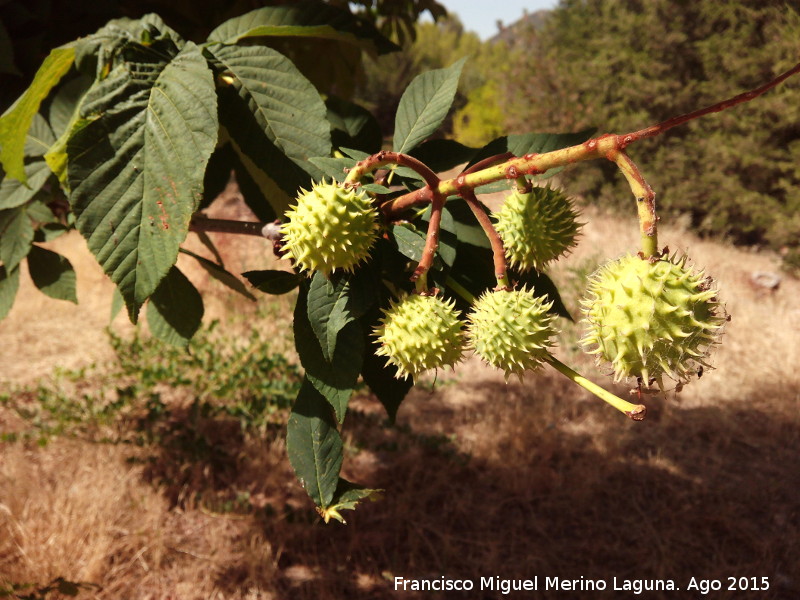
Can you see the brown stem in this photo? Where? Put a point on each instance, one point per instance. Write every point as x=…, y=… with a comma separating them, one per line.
x=265, y=230
x=488, y=162
x=498, y=251
x=432, y=240
x=654, y=130
x=406, y=201
x=376, y=161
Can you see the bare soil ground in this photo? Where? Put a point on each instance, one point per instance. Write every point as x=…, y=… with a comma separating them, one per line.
x=482, y=478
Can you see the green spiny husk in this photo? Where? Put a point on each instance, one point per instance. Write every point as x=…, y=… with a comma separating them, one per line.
x=511, y=330
x=537, y=227
x=330, y=228
x=650, y=318
x=418, y=333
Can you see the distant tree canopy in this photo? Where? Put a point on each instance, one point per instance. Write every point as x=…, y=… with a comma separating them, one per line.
x=624, y=64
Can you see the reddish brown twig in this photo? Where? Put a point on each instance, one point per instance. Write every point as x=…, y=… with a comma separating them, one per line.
x=660, y=128
x=432, y=239
x=383, y=158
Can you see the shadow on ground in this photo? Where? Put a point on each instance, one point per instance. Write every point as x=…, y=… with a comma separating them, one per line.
x=528, y=488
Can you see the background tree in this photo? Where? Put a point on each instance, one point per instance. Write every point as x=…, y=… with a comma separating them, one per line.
x=627, y=63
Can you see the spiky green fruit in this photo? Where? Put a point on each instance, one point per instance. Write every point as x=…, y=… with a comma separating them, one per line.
x=537, y=227
x=418, y=333
x=330, y=228
x=650, y=318
x=511, y=329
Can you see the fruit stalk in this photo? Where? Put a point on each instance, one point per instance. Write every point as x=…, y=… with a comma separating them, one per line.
x=636, y=412
x=498, y=251
x=645, y=202
x=432, y=239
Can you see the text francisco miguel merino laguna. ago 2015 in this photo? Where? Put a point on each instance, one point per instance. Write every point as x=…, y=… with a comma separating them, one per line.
x=582, y=584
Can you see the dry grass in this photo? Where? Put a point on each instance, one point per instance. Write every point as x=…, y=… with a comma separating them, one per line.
x=481, y=478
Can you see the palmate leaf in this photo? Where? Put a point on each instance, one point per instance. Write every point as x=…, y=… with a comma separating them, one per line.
x=353, y=126
x=9, y=284
x=314, y=445
x=221, y=274
x=424, y=105
x=286, y=106
x=175, y=310
x=136, y=164
x=16, y=236
x=14, y=193
x=14, y=124
x=52, y=274
x=274, y=118
x=346, y=497
x=335, y=302
x=311, y=19
x=274, y=282
x=336, y=378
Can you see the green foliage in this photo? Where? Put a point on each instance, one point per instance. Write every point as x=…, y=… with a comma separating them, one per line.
x=239, y=377
x=436, y=46
x=735, y=174
x=424, y=105
x=481, y=119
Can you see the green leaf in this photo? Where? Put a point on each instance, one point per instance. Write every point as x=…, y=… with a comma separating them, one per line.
x=346, y=497
x=335, y=302
x=39, y=212
x=117, y=303
x=273, y=282
x=64, y=104
x=136, y=167
x=222, y=275
x=16, y=121
x=468, y=230
x=424, y=105
x=14, y=193
x=65, y=119
x=175, y=310
x=286, y=106
x=333, y=167
x=374, y=188
x=52, y=274
x=302, y=19
x=9, y=284
x=225, y=160
x=48, y=232
x=353, y=126
x=335, y=379
x=442, y=154
x=410, y=240
x=16, y=236
x=40, y=137
x=275, y=175
x=314, y=445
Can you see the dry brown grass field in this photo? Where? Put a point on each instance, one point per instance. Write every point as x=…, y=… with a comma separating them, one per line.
x=481, y=478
